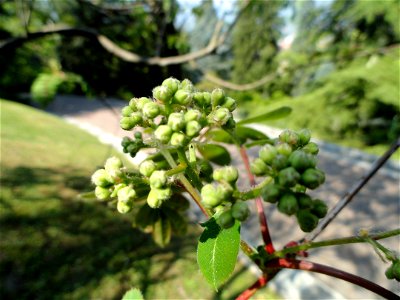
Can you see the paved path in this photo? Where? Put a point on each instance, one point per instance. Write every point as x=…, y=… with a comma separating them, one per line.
x=375, y=208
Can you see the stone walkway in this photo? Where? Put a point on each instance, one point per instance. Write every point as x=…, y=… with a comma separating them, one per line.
x=375, y=208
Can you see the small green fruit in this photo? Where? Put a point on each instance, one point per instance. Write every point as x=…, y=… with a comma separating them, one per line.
x=319, y=208
x=312, y=178
x=305, y=201
x=172, y=84
x=288, y=177
x=304, y=136
x=102, y=178
x=102, y=193
x=147, y=168
x=288, y=204
x=311, y=148
x=124, y=207
x=301, y=160
x=268, y=153
x=183, y=97
x=158, y=179
x=126, y=194
x=193, y=128
x=217, y=97
x=228, y=173
x=176, y=121
x=163, y=133
x=284, y=149
x=178, y=139
x=240, y=211
x=290, y=137
x=280, y=162
x=306, y=220
x=151, y=110
x=271, y=193
x=226, y=220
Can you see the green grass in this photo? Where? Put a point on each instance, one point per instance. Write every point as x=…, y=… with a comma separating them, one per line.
x=55, y=246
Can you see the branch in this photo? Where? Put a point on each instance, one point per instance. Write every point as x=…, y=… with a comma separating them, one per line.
x=116, y=50
x=352, y=192
x=318, y=268
x=262, y=281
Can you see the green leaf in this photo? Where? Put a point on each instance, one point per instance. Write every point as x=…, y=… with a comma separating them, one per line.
x=220, y=135
x=272, y=115
x=243, y=133
x=215, y=153
x=217, y=252
x=162, y=231
x=133, y=294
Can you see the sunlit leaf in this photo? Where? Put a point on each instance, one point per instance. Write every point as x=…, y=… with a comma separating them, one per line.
x=133, y=294
x=272, y=115
x=244, y=133
x=217, y=252
x=215, y=153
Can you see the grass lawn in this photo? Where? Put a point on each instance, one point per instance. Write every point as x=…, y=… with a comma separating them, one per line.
x=55, y=246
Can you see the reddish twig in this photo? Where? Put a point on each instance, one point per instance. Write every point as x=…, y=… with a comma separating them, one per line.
x=318, y=268
x=262, y=281
x=269, y=247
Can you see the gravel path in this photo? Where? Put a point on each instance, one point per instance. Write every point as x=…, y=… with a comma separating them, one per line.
x=375, y=208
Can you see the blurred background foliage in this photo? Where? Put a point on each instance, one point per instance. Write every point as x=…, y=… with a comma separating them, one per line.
x=335, y=62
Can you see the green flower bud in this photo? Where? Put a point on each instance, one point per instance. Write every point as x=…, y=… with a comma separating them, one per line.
x=240, y=211
x=230, y=103
x=311, y=148
x=113, y=166
x=258, y=167
x=192, y=115
x=127, y=123
x=290, y=137
x=206, y=99
x=138, y=135
x=151, y=110
x=124, y=207
x=288, y=204
x=162, y=93
x=126, y=194
x=163, y=133
x=156, y=197
x=102, y=193
x=210, y=196
x=305, y=201
x=396, y=269
x=217, y=97
x=132, y=104
x=183, y=97
x=187, y=85
x=147, y=168
x=116, y=189
x=198, y=98
x=178, y=139
x=312, y=178
x=192, y=128
x=284, y=149
x=306, y=220
x=301, y=160
x=319, y=208
x=389, y=273
x=127, y=111
x=176, y=121
x=268, y=153
x=226, y=220
x=304, y=136
x=172, y=84
x=271, y=193
x=222, y=115
x=141, y=102
x=228, y=173
x=102, y=178
x=288, y=177
x=280, y=162
x=158, y=179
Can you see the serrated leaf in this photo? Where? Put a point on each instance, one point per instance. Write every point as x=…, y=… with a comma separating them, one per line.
x=220, y=135
x=133, y=294
x=215, y=153
x=162, y=231
x=217, y=252
x=272, y=115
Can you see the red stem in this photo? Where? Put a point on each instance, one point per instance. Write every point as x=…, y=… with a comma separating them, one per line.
x=262, y=281
x=318, y=268
x=269, y=247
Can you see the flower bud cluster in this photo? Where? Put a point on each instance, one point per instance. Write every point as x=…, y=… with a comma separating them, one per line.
x=291, y=162
x=133, y=146
x=393, y=272
x=177, y=113
x=218, y=196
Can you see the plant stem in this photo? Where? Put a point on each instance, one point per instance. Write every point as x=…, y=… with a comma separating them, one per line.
x=189, y=170
x=318, y=268
x=333, y=242
x=262, y=281
x=260, y=209
x=352, y=192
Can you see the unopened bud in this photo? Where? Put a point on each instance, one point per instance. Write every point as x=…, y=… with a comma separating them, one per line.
x=319, y=208
x=258, y=167
x=158, y=179
x=312, y=178
x=141, y=102
x=222, y=115
x=240, y=211
x=183, y=97
x=187, y=85
x=127, y=123
x=268, y=153
x=172, y=84
x=176, y=121
x=163, y=133
x=210, y=196
x=230, y=104
x=126, y=194
x=271, y=193
x=127, y=111
x=192, y=128
x=124, y=207
x=192, y=115
x=151, y=110
x=117, y=187
x=307, y=220
x=206, y=99
x=178, y=139
x=132, y=104
x=284, y=149
x=147, y=168
x=226, y=220
x=217, y=97
x=228, y=173
x=113, y=166
x=162, y=93
x=102, y=193
x=290, y=137
x=102, y=178
x=311, y=148
x=156, y=197
x=301, y=160
x=280, y=162
x=288, y=204
x=305, y=136
x=288, y=177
